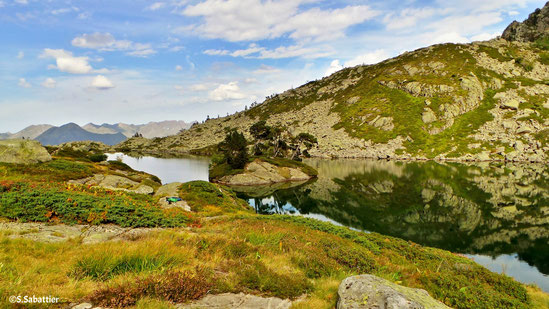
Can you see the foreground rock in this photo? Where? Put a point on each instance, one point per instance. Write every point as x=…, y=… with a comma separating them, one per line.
x=262, y=173
x=171, y=190
x=116, y=183
x=243, y=301
x=367, y=291
x=43, y=232
x=23, y=152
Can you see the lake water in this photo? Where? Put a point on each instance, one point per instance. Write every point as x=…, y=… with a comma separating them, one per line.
x=496, y=214
x=168, y=170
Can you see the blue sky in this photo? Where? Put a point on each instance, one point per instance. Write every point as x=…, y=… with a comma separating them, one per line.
x=140, y=61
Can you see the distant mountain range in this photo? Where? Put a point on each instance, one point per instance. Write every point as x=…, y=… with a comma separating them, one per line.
x=72, y=132
x=149, y=130
x=109, y=134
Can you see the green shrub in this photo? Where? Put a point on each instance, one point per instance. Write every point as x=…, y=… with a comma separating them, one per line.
x=98, y=157
x=107, y=266
x=176, y=287
x=74, y=204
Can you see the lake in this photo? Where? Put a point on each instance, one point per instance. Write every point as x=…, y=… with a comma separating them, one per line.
x=497, y=214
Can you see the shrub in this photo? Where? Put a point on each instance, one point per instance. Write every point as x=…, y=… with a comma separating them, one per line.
x=177, y=287
x=98, y=157
x=235, y=149
x=108, y=266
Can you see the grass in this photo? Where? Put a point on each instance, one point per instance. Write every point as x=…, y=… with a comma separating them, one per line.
x=211, y=199
x=278, y=256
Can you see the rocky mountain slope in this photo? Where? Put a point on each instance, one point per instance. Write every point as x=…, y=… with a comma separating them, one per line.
x=72, y=132
x=149, y=130
x=480, y=101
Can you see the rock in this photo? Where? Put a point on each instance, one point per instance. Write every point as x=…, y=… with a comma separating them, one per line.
x=519, y=146
x=511, y=104
x=243, y=301
x=533, y=28
x=262, y=173
x=383, y=123
x=428, y=116
x=144, y=189
x=367, y=291
x=170, y=189
x=23, y=152
x=115, y=183
x=83, y=306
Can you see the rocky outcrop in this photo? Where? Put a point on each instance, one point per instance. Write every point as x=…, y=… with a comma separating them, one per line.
x=115, y=183
x=230, y=300
x=170, y=190
x=262, y=173
x=371, y=292
x=23, y=152
x=45, y=232
x=533, y=28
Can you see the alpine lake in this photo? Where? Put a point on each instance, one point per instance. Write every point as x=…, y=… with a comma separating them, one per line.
x=494, y=213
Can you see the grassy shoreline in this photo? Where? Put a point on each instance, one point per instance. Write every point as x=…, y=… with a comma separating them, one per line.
x=224, y=247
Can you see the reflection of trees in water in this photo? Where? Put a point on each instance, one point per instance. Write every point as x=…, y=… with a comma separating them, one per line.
x=487, y=209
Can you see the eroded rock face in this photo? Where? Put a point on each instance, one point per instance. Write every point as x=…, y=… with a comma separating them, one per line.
x=23, y=152
x=367, y=291
x=533, y=28
x=263, y=173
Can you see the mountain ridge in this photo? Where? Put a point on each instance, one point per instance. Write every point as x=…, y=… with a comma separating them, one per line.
x=481, y=101
x=71, y=132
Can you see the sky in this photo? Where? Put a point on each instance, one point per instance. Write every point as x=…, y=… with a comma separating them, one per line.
x=136, y=61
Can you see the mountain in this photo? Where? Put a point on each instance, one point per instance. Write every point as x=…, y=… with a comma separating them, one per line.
x=534, y=28
x=480, y=101
x=149, y=130
x=29, y=132
x=72, y=132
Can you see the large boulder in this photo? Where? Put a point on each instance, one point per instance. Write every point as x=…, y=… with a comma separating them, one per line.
x=369, y=292
x=23, y=152
x=260, y=172
x=115, y=183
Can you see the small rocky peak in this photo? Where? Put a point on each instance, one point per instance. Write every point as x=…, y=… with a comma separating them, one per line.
x=530, y=30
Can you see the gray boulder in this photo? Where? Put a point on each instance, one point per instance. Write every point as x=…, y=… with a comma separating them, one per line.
x=371, y=292
x=21, y=151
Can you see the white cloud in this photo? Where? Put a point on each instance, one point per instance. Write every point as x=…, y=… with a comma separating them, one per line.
x=368, y=58
x=156, y=6
x=49, y=83
x=23, y=2
x=257, y=20
x=2, y=4
x=107, y=42
x=230, y=91
x=334, y=67
x=199, y=87
x=23, y=83
x=102, y=83
x=265, y=69
x=63, y=11
x=485, y=36
x=408, y=17
x=66, y=62
x=178, y=68
x=20, y=55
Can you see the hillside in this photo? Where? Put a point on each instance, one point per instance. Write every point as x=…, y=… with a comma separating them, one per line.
x=72, y=132
x=149, y=130
x=29, y=132
x=480, y=101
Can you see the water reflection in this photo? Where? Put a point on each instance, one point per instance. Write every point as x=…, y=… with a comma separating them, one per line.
x=478, y=209
x=168, y=170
